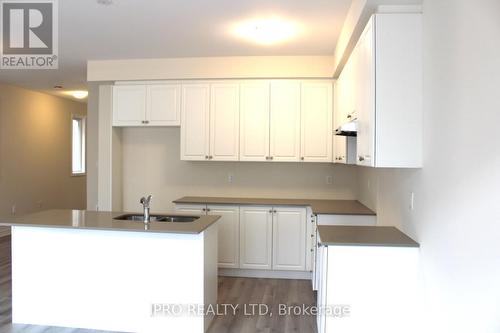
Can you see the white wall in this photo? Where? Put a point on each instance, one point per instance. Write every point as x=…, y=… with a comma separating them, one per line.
x=211, y=68
x=151, y=164
x=456, y=217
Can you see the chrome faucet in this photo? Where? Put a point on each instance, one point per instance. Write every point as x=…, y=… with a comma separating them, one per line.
x=145, y=201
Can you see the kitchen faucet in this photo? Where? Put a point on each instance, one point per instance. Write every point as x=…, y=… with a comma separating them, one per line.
x=145, y=201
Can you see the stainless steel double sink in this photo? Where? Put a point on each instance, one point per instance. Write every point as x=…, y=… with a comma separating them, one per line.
x=156, y=218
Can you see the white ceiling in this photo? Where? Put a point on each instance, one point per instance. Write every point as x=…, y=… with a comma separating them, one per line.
x=129, y=29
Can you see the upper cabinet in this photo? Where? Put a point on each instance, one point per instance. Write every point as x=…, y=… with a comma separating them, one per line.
x=210, y=121
x=224, y=121
x=286, y=121
x=230, y=120
x=254, y=121
x=386, y=76
x=316, y=122
x=284, y=128
x=163, y=106
x=129, y=105
x=195, y=133
x=146, y=104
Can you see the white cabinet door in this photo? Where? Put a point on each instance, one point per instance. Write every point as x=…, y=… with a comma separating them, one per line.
x=224, y=121
x=228, y=234
x=364, y=101
x=254, y=121
x=163, y=104
x=255, y=237
x=289, y=238
x=321, y=274
x=191, y=209
x=340, y=149
x=317, y=122
x=195, y=121
x=129, y=105
x=285, y=121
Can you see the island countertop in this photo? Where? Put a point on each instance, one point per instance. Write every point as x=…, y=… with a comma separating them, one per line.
x=318, y=206
x=84, y=219
x=341, y=235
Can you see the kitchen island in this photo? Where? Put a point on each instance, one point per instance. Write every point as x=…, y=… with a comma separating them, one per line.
x=85, y=269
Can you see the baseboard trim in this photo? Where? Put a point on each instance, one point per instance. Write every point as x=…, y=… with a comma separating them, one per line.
x=269, y=274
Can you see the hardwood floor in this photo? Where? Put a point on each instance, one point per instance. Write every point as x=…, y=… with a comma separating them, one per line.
x=238, y=293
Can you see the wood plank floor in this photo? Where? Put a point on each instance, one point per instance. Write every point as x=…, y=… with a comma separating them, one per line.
x=239, y=292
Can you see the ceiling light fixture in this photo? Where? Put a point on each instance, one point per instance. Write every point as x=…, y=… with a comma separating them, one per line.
x=79, y=94
x=105, y=2
x=266, y=31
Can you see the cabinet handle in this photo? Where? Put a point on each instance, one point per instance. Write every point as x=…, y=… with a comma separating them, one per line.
x=312, y=235
x=361, y=158
x=267, y=158
x=145, y=122
x=208, y=209
x=206, y=157
x=203, y=209
x=302, y=158
x=274, y=211
x=210, y=157
x=271, y=211
x=349, y=116
x=270, y=157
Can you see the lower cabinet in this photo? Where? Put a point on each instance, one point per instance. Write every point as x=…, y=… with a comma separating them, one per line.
x=228, y=238
x=256, y=227
x=228, y=234
x=360, y=283
x=192, y=209
x=260, y=237
x=289, y=238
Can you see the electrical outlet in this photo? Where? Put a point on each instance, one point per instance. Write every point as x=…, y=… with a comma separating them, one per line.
x=412, y=201
x=13, y=210
x=329, y=180
x=230, y=177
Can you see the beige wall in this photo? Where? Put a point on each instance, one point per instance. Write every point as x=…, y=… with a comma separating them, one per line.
x=151, y=164
x=35, y=152
x=456, y=216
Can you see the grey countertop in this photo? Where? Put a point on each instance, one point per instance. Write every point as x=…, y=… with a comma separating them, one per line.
x=82, y=219
x=318, y=206
x=334, y=235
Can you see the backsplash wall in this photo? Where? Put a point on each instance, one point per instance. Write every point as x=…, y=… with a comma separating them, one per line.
x=151, y=165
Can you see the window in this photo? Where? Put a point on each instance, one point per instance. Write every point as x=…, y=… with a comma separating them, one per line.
x=78, y=145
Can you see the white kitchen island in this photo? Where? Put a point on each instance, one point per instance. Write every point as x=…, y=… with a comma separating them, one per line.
x=84, y=269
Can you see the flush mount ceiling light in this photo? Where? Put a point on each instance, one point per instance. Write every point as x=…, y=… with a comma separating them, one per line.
x=105, y=2
x=78, y=94
x=266, y=31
